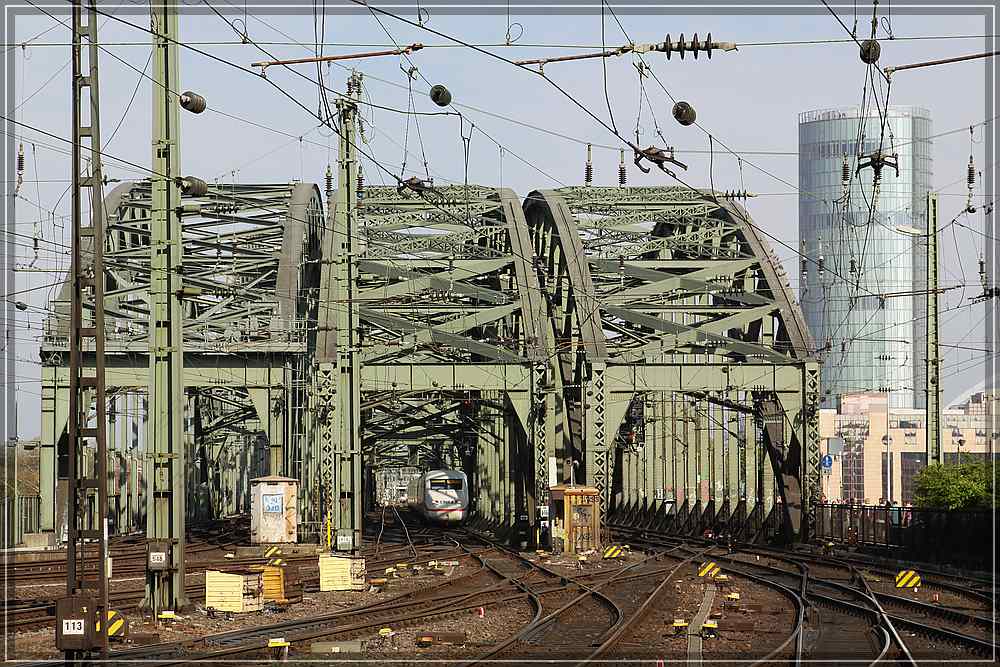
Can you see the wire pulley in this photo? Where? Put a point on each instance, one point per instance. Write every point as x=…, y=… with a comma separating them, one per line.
x=192, y=102
x=440, y=95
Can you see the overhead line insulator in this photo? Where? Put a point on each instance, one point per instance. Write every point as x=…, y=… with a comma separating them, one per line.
x=971, y=182
x=668, y=47
x=20, y=166
x=361, y=185
x=694, y=46
x=588, y=170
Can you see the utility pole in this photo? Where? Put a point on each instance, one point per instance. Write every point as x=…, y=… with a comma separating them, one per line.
x=86, y=589
x=165, y=438
x=337, y=378
x=933, y=361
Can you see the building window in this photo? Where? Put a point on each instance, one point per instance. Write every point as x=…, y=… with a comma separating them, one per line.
x=912, y=463
x=852, y=462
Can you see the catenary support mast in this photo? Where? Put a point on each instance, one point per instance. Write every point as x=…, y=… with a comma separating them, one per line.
x=165, y=446
x=86, y=430
x=932, y=353
x=336, y=380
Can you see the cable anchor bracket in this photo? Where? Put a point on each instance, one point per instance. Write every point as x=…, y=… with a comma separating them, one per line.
x=659, y=157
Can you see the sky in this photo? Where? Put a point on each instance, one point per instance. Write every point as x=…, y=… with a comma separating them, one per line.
x=748, y=99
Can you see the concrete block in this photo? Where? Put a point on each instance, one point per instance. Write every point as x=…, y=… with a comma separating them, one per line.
x=39, y=540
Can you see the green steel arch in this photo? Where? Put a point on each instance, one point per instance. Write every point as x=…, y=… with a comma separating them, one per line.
x=682, y=358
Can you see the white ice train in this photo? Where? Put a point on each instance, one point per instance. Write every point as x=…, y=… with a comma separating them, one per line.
x=439, y=495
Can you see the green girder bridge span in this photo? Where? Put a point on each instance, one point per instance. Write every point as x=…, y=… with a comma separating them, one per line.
x=644, y=341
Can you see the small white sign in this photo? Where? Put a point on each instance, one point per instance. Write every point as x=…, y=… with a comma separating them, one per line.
x=72, y=626
x=157, y=557
x=272, y=503
x=345, y=540
x=553, y=472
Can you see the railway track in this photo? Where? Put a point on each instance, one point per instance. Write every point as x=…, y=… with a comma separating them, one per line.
x=790, y=647
x=572, y=619
x=898, y=626
x=584, y=617
x=955, y=590
x=965, y=610
x=32, y=614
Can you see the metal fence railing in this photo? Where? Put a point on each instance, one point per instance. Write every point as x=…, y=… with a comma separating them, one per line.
x=961, y=538
x=29, y=510
x=21, y=515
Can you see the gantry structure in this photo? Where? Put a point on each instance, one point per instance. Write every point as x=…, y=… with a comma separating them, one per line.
x=644, y=341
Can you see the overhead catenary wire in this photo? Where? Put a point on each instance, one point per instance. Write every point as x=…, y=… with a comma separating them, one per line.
x=401, y=19
x=440, y=113
x=853, y=34
x=628, y=143
x=230, y=64
x=501, y=149
x=30, y=42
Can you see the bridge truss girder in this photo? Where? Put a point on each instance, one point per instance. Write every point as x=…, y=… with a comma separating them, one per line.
x=249, y=263
x=661, y=284
x=445, y=281
x=647, y=333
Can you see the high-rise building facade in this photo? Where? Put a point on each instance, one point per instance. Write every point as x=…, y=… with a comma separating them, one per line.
x=858, y=282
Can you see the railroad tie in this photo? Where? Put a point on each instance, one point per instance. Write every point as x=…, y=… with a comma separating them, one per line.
x=694, y=629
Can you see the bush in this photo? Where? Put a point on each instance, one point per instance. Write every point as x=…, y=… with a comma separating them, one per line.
x=964, y=486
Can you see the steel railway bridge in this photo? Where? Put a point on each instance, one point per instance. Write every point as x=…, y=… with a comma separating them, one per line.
x=643, y=340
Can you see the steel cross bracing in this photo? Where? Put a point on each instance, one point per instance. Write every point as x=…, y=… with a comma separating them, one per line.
x=237, y=297
x=452, y=340
x=704, y=312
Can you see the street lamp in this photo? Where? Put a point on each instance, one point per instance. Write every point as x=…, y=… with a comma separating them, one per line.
x=958, y=441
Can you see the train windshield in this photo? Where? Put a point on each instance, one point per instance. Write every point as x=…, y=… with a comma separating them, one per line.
x=446, y=484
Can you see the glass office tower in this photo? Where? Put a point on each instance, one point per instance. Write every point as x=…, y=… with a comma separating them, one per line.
x=858, y=301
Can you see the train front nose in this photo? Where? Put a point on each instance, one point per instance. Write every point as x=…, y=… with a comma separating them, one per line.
x=451, y=515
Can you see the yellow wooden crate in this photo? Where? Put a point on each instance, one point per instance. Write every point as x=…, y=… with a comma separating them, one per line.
x=281, y=583
x=341, y=573
x=236, y=591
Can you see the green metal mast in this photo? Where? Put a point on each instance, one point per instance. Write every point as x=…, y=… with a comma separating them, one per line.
x=337, y=377
x=165, y=446
x=933, y=360
x=347, y=451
